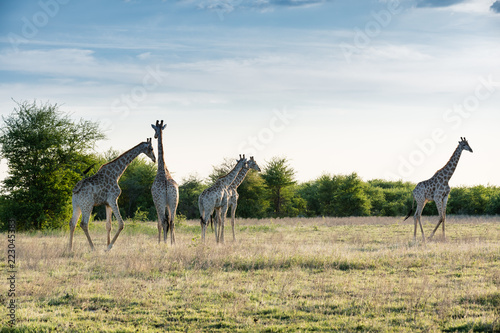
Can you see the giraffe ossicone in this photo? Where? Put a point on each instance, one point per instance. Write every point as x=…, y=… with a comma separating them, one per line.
x=436, y=189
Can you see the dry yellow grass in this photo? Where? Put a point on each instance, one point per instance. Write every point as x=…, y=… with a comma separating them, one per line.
x=321, y=274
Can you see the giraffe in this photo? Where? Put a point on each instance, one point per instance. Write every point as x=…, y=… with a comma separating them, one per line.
x=165, y=191
x=102, y=188
x=215, y=197
x=436, y=189
x=232, y=189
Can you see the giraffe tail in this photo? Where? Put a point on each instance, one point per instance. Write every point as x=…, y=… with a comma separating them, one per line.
x=88, y=169
x=206, y=222
x=411, y=210
x=78, y=185
x=166, y=221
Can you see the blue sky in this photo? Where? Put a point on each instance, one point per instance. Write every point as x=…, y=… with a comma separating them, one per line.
x=383, y=88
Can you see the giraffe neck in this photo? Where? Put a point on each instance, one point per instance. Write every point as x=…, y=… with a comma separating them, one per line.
x=161, y=162
x=447, y=171
x=117, y=167
x=230, y=177
x=240, y=177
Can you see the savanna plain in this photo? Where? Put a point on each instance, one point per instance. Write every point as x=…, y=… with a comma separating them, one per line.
x=280, y=275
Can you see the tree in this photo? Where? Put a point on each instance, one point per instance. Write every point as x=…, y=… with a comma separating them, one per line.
x=46, y=152
x=341, y=195
x=475, y=200
x=253, y=197
x=309, y=192
x=189, y=191
x=493, y=206
x=279, y=177
x=390, y=198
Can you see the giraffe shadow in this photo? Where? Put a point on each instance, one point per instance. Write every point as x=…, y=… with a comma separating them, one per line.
x=437, y=239
x=418, y=243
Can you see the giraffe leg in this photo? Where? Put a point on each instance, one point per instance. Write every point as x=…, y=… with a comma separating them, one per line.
x=421, y=228
x=160, y=203
x=441, y=207
x=218, y=218
x=84, y=224
x=215, y=216
x=233, y=214
x=442, y=224
x=415, y=221
x=171, y=221
x=173, y=201
x=159, y=226
x=417, y=218
x=205, y=224
x=223, y=215
x=121, y=225
x=72, y=224
x=445, y=202
x=109, y=212
x=437, y=226
x=203, y=229
x=166, y=224
x=216, y=224
x=160, y=222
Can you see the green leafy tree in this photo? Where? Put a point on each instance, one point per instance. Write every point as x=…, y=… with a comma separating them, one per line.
x=308, y=191
x=253, y=199
x=481, y=197
x=296, y=206
x=389, y=198
x=377, y=200
x=458, y=201
x=189, y=191
x=475, y=200
x=341, y=195
x=279, y=178
x=46, y=153
x=328, y=187
x=493, y=206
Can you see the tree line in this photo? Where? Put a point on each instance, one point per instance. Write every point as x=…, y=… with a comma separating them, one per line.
x=47, y=153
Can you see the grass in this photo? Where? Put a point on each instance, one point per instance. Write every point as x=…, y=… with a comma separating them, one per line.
x=281, y=275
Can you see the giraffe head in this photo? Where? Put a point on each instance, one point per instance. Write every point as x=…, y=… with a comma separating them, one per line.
x=242, y=160
x=147, y=148
x=158, y=128
x=251, y=164
x=464, y=145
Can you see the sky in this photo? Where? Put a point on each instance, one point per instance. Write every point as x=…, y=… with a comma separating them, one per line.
x=383, y=88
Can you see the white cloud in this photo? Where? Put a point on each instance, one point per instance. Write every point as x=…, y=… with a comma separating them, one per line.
x=462, y=6
x=144, y=56
x=473, y=6
x=78, y=64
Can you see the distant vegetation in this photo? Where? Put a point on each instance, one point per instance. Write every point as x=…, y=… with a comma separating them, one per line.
x=47, y=153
